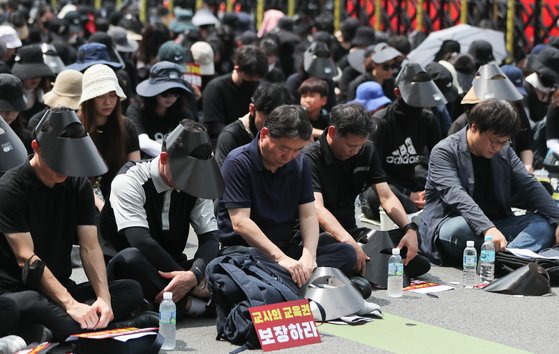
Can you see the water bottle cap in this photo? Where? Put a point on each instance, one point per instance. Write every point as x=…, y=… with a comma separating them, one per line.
x=167, y=295
x=469, y=243
x=488, y=238
x=396, y=251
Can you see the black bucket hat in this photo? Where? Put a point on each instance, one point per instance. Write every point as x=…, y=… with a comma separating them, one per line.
x=90, y=54
x=64, y=153
x=443, y=79
x=317, y=61
x=29, y=63
x=491, y=82
x=482, y=52
x=364, y=36
x=546, y=64
x=417, y=88
x=12, y=150
x=11, y=94
x=197, y=175
x=163, y=76
x=104, y=38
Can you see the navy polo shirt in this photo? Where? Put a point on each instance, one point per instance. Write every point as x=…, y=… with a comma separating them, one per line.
x=273, y=198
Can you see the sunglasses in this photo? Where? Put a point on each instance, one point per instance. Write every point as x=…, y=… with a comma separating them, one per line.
x=387, y=67
x=168, y=94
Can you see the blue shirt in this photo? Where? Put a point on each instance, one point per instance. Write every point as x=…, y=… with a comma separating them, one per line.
x=273, y=198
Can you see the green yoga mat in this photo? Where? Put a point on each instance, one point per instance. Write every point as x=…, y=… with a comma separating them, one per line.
x=401, y=335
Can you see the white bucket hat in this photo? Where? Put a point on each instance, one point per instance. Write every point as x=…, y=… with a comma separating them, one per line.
x=98, y=80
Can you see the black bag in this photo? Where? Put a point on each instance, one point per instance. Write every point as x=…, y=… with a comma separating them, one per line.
x=150, y=344
x=506, y=262
x=242, y=280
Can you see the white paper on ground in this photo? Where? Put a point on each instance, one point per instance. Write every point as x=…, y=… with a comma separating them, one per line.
x=523, y=253
x=433, y=289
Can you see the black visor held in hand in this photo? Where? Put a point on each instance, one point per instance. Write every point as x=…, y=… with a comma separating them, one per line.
x=12, y=150
x=65, y=145
x=193, y=165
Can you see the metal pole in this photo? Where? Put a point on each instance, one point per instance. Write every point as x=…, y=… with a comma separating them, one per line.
x=143, y=10
x=537, y=21
x=464, y=11
x=337, y=14
x=199, y=4
x=229, y=6
x=291, y=8
x=171, y=6
x=378, y=15
x=259, y=13
x=419, y=16
x=510, y=26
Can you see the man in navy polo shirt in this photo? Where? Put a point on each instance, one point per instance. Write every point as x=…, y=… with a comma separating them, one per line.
x=268, y=189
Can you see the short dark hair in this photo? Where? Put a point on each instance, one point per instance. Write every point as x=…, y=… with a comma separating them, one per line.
x=496, y=116
x=269, y=96
x=314, y=85
x=251, y=60
x=289, y=121
x=351, y=118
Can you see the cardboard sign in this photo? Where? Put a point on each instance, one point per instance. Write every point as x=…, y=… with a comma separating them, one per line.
x=284, y=325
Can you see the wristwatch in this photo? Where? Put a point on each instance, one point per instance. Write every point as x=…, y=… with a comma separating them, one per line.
x=411, y=225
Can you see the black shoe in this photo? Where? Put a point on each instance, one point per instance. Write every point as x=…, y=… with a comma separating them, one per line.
x=142, y=320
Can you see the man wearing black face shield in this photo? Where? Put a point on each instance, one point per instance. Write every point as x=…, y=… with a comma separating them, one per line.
x=47, y=204
x=153, y=203
x=226, y=98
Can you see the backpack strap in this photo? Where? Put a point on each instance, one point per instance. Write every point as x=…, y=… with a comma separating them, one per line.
x=287, y=293
x=253, y=294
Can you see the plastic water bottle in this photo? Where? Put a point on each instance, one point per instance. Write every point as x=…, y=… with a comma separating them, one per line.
x=487, y=260
x=395, y=274
x=470, y=263
x=168, y=321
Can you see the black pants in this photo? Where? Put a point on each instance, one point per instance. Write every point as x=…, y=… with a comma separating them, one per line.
x=9, y=315
x=130, y=263
x=370, y=203
x=34, y=307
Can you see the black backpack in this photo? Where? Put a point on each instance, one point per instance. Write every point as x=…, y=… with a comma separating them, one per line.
x=242, y=280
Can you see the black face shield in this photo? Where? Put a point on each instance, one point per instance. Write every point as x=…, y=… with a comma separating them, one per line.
x=417, y=88
x=12, y=150
x=66, y=147
x=491, y=82
x=193, y=166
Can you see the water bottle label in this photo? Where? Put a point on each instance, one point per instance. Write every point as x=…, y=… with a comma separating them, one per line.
x=396, y=269
x=169, y=317
x=487, y=256
x=470, y=261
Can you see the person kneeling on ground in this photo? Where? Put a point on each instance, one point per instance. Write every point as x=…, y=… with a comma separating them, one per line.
x=268, y=188
x=343, y=163
x=468, y=191
x=152, y=205
x=47, y=204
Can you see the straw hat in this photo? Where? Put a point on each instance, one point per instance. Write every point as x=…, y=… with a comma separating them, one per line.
x=98, y=80
x=66, y=91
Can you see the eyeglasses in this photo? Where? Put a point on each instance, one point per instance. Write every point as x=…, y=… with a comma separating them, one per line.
x=496, y=144
x=168, y=94
x=387, y=67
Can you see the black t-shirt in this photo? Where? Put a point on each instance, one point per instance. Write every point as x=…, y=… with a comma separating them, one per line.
x=484, y=191
x=151, y=124
x=401, y=135
x=552, y=123
x=536, y=108
x=224, y=102
x=51, y=215
x=232, y=136
x=339, y=181
x=322, y=122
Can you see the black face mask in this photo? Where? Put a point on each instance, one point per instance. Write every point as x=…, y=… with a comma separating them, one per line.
x=252, y=124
